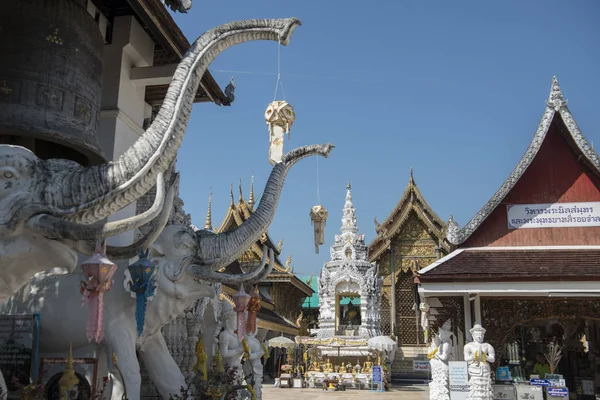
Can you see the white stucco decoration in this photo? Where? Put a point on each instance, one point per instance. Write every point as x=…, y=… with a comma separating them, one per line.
x=349, y=272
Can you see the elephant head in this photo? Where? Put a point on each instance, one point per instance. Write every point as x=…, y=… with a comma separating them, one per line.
x=201, y=254
x=47, y=207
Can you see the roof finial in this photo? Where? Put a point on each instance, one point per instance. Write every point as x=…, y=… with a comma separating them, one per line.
x=241, y=200
x=280, y=246
x=412, y=179
x=348, y=186
x=556, y=99
x=251, y=196
x=231, y=195
x=208, y=222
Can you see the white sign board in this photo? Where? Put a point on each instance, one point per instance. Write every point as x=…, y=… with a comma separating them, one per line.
x=557, y=215
x=459, y=380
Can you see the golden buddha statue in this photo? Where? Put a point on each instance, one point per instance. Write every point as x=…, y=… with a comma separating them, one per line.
x=315, y=366
x=328, y=367
x=201, y=360
x=368, y=367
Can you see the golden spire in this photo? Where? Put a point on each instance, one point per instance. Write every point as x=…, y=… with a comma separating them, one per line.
x=251, y=196
x=208, y=222
x=68, y=380
x=280, y=246
x=412, y=180
x=232, y=205
x=241, y=200
x=288, y=264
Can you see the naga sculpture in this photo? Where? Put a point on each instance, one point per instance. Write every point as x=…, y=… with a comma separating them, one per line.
x=186, y=261
x=52, y=209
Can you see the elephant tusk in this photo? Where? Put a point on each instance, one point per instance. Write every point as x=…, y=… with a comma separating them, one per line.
x=57, y=228
x=253, y=276
x=130, y=251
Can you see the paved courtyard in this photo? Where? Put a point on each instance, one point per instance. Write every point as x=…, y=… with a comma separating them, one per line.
x=420, y=392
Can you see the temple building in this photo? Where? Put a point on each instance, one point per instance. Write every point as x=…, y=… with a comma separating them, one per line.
x=527, y=264
x=412, y=237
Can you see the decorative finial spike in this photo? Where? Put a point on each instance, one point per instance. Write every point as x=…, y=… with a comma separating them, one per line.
x=208, y=222
x=251, y=195
x=412, y=179
x=241, y=200
x=231, y=195
x=280, y=246
x=556, y=100
x=348, y=186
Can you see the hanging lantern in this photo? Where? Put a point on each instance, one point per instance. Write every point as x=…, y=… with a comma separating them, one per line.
x=253, y=307
x=279, y=116
x=318, y=216
x=241, y=299
x=141, y=284
x=98, y=272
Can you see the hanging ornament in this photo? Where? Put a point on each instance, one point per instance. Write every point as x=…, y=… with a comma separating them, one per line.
x=279, y=116
x=253, y=307
x=141, y=284
x=98, y=272
x=318, y=216
x=241, y=299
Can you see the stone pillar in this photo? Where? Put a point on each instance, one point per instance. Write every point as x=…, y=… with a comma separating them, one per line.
x=123, y=107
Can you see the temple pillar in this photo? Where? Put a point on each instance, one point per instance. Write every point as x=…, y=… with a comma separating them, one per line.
x=123, y=108
x=392, y=294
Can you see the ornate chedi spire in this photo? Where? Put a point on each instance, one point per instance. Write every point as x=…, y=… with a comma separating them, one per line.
x=251, y=195
x=208, y=222
x=556, y=99
x=349, y=213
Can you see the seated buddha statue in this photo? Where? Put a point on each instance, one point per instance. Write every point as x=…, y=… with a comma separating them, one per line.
x=315, y=366
x=368, y=367
x=328, y=367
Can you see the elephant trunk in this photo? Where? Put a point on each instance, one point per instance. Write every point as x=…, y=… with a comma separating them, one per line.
x=91, y=194
x=219, y=250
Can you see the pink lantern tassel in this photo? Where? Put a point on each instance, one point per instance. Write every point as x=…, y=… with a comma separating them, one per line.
x=95, y=322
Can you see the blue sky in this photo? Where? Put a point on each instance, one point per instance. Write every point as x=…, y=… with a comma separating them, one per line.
x=454, y=89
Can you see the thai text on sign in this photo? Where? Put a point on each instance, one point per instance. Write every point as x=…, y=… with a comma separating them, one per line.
x=553, y=215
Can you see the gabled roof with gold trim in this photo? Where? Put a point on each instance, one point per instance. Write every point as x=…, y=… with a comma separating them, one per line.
x=411, y=200
x=239, y=212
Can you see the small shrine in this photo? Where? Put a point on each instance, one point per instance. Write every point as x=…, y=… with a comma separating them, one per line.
x=347, y=344
x=349, y=286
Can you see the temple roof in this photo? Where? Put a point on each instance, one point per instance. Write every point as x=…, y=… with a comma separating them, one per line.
x=239, y=212
x=556, y=112
x=411, y=200
x=170, y=44
x=491, y=264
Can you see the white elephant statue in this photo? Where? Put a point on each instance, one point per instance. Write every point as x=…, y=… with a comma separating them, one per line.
x=52, y=209
x=187, y=260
